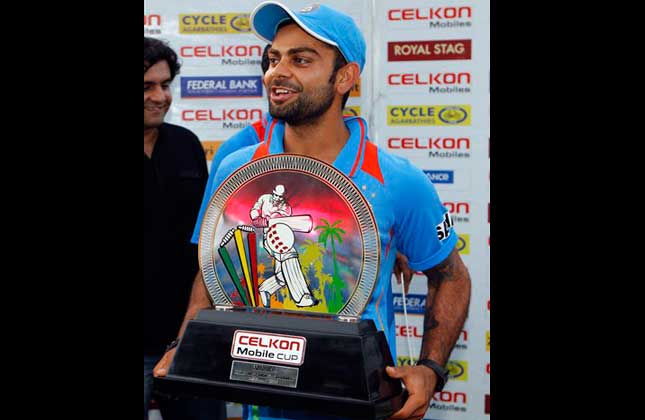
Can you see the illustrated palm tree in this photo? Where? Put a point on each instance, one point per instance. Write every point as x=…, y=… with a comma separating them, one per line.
x=332, y=234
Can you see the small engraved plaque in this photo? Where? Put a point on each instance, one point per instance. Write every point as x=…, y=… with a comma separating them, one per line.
x=264, y=374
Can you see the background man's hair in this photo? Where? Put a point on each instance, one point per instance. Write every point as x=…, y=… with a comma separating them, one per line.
x=155, y=50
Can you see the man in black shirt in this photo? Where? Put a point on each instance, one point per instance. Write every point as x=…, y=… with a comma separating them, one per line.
x=174, y=178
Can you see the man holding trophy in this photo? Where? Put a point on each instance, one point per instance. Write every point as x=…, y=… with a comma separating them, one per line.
x=316, y=57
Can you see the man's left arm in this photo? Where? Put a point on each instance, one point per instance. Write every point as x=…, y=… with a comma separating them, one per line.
x=446, y=311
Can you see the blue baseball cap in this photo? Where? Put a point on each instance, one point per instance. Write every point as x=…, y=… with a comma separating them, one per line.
x=322, y=22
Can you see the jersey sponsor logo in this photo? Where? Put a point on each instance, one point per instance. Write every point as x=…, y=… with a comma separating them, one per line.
x=214, y=23
x=456, y=49
x=221, y=87
x=443, y=228
x=268, y=347
x=425, y=115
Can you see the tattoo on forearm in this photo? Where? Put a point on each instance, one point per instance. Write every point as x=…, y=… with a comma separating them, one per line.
x=444, y=271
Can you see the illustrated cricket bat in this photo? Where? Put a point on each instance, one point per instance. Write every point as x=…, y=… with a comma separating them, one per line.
x=300, y=223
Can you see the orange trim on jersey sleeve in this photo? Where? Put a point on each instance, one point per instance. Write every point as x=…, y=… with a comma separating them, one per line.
x=370, y=162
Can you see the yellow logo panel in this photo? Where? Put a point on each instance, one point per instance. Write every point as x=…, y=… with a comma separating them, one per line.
x=356, y=90
x=457, y=370
x=214, y=23
x=463, y=244
x=352, y=111
x=210, y=148
x=422, y=115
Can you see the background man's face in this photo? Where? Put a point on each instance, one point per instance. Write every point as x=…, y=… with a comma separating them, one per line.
x=298, y=84
x=156, y=94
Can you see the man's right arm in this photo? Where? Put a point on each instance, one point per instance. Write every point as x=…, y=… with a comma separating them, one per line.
x=199, y=300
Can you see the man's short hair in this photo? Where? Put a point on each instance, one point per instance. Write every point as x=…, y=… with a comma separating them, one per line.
x=155, y=50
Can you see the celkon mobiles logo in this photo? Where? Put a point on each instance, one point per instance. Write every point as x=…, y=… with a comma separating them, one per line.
x=409, y=331
x=434, y=83
x=425, y=79
x=210, y=148
x=459, y=211
x=414, y=304
x=424, y=115
x=432, y=13
x=221, y=115
x=214, y=23
x=152, y=24
x=449, y=401
x=462, y=343
x=267, y=347
x=430, y=143
x=220, y=51
x=437, y=147
x=456, y=49
x=221, y=87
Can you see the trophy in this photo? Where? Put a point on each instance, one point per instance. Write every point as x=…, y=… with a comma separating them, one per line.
x=289, y=251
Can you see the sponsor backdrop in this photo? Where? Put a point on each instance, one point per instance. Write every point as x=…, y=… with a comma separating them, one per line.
x=425, y=94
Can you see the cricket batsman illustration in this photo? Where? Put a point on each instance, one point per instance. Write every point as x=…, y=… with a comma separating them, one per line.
x=273, y=213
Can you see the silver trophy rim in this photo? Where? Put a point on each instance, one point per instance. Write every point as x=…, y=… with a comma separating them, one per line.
x=368, y=276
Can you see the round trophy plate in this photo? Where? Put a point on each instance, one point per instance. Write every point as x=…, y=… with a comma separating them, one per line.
x=292, y=233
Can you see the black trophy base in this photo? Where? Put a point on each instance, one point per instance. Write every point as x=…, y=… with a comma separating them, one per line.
x=342, y=374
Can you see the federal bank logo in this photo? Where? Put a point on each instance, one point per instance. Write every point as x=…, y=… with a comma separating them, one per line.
x=425, y=115
x=152, y=24
x=440, y=177
x=214, y=23
x=455, y=49
x=457, y=370
x=221, y=87
x=414, y=304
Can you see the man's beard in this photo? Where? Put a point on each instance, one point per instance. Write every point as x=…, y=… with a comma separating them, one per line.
x=307, y=108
